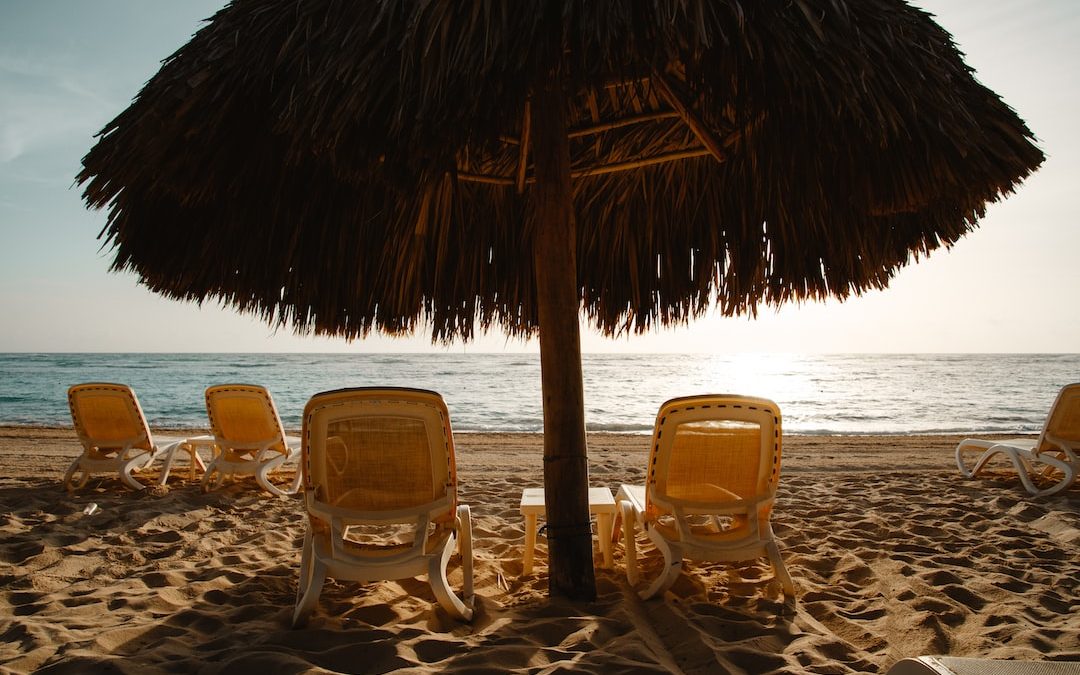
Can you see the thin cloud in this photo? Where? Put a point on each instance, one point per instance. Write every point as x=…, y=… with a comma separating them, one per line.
x=45, y=104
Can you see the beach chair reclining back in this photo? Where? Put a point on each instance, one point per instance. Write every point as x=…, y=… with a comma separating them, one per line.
x=108, y=417
x=381, y=493
x=705, y=452
x=373, y=456
x=245, y=417
x=1062, y=428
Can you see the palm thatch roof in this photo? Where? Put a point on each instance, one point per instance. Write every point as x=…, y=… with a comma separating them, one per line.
x=349, y=166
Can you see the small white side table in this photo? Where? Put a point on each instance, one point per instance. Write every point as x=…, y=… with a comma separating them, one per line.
x=601, y=504
x=190, y=445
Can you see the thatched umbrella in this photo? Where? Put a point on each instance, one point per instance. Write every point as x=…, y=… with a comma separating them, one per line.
x=342, y=167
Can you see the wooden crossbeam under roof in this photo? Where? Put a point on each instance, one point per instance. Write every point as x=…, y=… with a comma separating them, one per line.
x=655, y=100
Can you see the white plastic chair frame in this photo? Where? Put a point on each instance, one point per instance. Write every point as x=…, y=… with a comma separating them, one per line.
x=260, y=457
x=636, y=502
x=112, y=429
x=1055, y=451
x=325, y=552
x=957, y=665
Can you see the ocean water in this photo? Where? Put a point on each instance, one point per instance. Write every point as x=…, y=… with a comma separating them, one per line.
x=817, y=394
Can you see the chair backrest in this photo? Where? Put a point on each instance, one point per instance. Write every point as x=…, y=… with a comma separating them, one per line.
x=379, y=450
x=713, y=449
x=108, y=416
x=1063, y=421
x=242, y=416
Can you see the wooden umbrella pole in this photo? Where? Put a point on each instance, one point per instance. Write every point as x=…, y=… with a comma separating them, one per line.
x=566, y=468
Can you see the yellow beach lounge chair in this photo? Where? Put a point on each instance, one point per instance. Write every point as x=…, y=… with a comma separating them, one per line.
x=248, y=436
x=115, y=437
x=1053, y=456
x=381, y=494
x=713, y=469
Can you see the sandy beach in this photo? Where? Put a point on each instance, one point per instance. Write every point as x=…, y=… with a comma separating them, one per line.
x=892, y=553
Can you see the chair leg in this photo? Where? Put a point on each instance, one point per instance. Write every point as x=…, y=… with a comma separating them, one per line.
x=213, y=478
x=305, y=566
x=616, y=525
x=309, y=585
x=170, y=457
x=465, y=550
x=780, y=570
x=629, y=518
x=262, y=476
x=1068, y=475
x=196, y=460
x=672, y=566
x=129, y=466
x=441, y=586
x=968, y=446
x=1048, y=471
x=295, y=487
x=73, y=486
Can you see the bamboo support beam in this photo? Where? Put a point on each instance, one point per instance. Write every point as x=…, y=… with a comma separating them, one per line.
x=639, y=163
x=484, y=178
x=625, y=82
x=622, y=122
x=594, y=115
x=698, y=127
x=523, y=148
x=599, y=126
x=597, y=170
x=594, y=108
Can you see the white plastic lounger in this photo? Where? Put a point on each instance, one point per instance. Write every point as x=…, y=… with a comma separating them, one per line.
x=1052, y=457
x=248, y=436
x=953, y=665
x=115, y=437
x=713, y=470
x=381, y=495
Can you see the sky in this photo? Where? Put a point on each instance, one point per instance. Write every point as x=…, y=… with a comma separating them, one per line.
x=69, y=66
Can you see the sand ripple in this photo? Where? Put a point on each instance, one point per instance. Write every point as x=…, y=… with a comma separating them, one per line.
x=887, y=564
